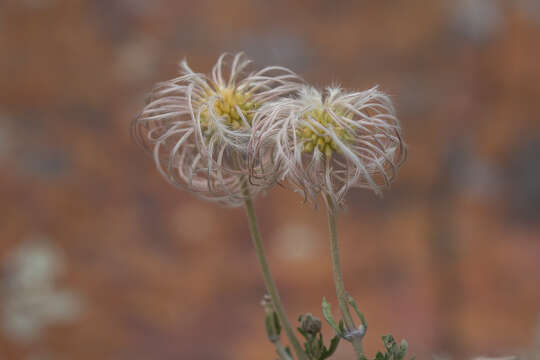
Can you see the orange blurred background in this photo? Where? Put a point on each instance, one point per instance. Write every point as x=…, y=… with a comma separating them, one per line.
x=102, y=259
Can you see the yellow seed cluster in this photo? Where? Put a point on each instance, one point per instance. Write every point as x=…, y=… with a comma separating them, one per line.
x=228, y=99
x=315, y=138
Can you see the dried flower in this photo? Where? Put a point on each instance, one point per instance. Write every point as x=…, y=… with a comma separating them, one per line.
x=197, y=126
x=329, y=142
x=310, y=324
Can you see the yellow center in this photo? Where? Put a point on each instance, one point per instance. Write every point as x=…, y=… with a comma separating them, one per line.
x=314, y=137
x=229, y=101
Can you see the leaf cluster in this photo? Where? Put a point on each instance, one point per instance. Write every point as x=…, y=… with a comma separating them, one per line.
x=392, y=351
x=314, y=344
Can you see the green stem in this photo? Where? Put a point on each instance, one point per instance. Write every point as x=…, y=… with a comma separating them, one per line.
x=338, y=278
x=267, y=276
x=283, y=355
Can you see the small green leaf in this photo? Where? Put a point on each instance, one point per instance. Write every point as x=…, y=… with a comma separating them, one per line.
x=333, y=346
x=271, y=331
x=389, y=342
x=301, y=331
x=277, y=323
x=327, y=314
x=404, y=346
x=355, y=307
x=403, y=349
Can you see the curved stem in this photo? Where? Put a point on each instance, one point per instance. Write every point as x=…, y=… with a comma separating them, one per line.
x=338, y=278
x=268, y=280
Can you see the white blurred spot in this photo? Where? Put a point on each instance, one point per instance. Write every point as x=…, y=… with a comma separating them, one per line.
x=31, y=301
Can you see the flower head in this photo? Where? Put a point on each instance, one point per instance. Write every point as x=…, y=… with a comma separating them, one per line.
x=198, y=126
x=329, y=142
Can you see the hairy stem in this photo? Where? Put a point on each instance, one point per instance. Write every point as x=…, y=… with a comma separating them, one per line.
x=267, y=276
x=338, y=278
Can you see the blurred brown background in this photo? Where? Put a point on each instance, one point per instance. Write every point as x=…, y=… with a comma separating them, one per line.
x=101, y=259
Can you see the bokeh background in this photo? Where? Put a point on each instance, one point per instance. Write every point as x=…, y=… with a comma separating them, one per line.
x=102, y=259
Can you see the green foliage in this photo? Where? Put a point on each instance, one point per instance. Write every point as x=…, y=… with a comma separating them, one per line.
x=393, y=351
x=273, y=327
x=271, y=320
x=314, y=344
x=327, y=314
x=355, y=307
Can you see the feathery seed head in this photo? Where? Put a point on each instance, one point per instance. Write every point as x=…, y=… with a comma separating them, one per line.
x=198, y=126
x=329, y=142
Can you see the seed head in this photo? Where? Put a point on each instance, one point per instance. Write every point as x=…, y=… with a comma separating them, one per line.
x=310, y=324
x=198, y=126
x=329, y=142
